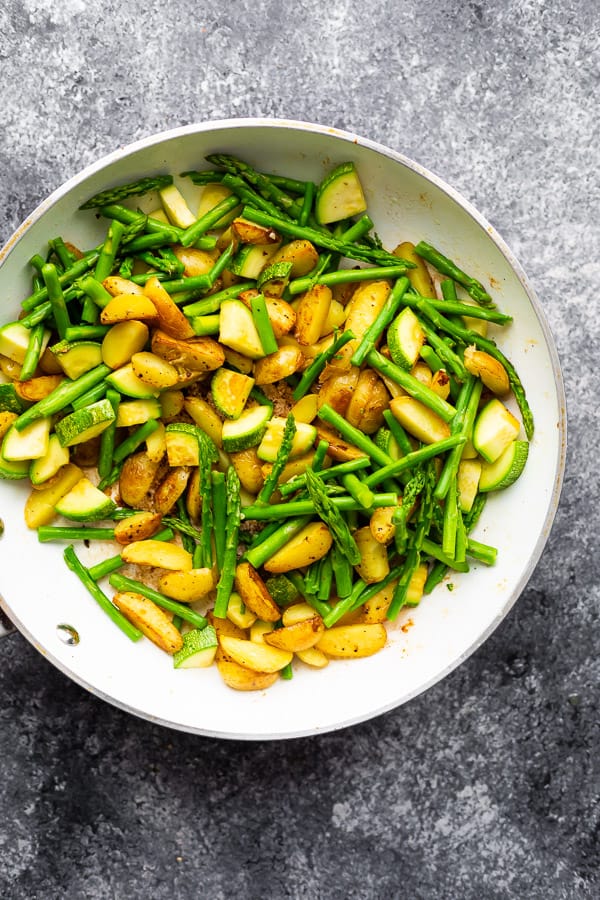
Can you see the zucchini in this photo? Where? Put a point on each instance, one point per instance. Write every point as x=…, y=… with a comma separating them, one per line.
x=85, y=503
x=238, y=331
x=199, y=649
x=271, y=442
x=248, y=430
x=251, y=259
x=12, y=471
x=48, y=465
x=340, y=195
x=175, y=207
x=125, y=381
x=213, y=194
x=506, y=469
x=14, y=341
x=405, y=337
x=182, y=444
x=85, y=423
x=230, y=391
x=385, y=440
x=136, y=412
x=77, y=357
x=281, y=589
x=495, y=428
x=10, y=400
x=29, y=443
x=274, y=279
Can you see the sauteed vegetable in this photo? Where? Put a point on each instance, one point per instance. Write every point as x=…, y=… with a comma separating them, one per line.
x=288, y=431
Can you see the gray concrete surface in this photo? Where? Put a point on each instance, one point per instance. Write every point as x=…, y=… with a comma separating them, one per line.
x=488, y=785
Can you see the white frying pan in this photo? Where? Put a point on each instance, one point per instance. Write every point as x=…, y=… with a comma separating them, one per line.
x=406, y=202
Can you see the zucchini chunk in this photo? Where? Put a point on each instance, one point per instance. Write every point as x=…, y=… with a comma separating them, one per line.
x=238, y=331
x=495, y=428
x=248, y=430
x=77, y=357
x=230, y=391
x=85, y=423
x=182, y=444
x=199, y=649
x=48, y=465
x=85, y=503
x=506, y=469
x=30, y=443
x=405, y=338
x=270, y=445
x=340, y=195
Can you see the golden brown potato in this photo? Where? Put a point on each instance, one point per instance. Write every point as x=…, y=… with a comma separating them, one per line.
x=374, y=565
x=37, y=388
x=492, y=373
x=153, y=370
x=419, y=276
x=122, y=341
x=196, y=262
x=337, y=391
x=281, y=364
x=312, y=313
x=309, y=545
x=136, y=479
x=170, y=318
x=440, y=384
x=150, y=619
x=241, y=679
x=258, y=657
x=368, y=402
x=187, y=586
x=249, y=233
x=254, y=593
x=382, y=525
x=10, y=368
x=199, y=354
x=313, y=657
x=361, y=311
x=159, y=554
x=137, y=527
x=302, y=255
x=352, y=641
x=419, y=420
x=248, y=467
x=6, y=420
x=125, y=307
x=170, y=489
x=281, y=314
x=299, y=636
x=375, y=609
x=339, y=449
x=116, y=285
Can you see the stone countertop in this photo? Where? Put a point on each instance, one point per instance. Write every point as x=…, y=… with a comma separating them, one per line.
x=488, y=785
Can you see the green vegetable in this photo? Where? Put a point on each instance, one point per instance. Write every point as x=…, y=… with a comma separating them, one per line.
x=232, y=527
x=329, y=513
x=133, y=189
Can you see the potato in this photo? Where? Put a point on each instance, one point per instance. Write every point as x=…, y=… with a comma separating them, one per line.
x=193, y=498
x=238, y=613
x=419, y=420
x=382, y=525
x=254, y=593
x=281, y=364
x=416, y=585
x=375, y=609
x=37, y=388
x=198, y=354
x=137, y=527
x=225, y=627
x=125, y=307
x=153, y=370
x=205, y=416
x=116, y=285
x=171, y=320
x=10, y=368
x=298, y=612
x=468, y=475
x=156, y=443
x=49, y=364
x=150, y=619
x=170, y=489
x=335, y=318
x=339, y=449
x=352, y=641
x=361, y=311
x=196, y=262
x=374, y=565
x=122, y=341
x=368, y=402
x=241, y=679
x=419, y=276
x=248, y=467
x=313, y=657
x=171, y=404
x=281, y=314
x=39, y=507
x=160, y=554
x=258, y=657
x=312, y=313
x=337, y=391
x=6, y=420
x=239, y=362
x=259, y=629
x=492, y=373
x=187, y=586
x=249, y=233
x=440, y=384
x=300, y=636
x=136, y=479
x=302, y=255
x=305, y=410
x=309, y=545
x=422, y=373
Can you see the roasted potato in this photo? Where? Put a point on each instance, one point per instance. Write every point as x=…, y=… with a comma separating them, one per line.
x=159, y=554
x=150, y=619
x=309, y=545
x=39, y=507
x=337, y=391
x=122, y=341
x=254, y=593
x=198, y=354
x=125, y=307
x=37, y=388
x=136, y=479
x=248, y=467
x=352, y=641
x=368, y=402
x=299, y=636
x=170, y=318
x=419, y=420
x=138, y=527
x=255, y=656
x=281, y=364
x=187, y=586
x=374, y=565
x=170, y=489
x=490, y=370
x=242, y=679
x=312, y=313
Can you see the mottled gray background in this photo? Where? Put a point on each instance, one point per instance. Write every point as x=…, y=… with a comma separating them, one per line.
x=487, y=786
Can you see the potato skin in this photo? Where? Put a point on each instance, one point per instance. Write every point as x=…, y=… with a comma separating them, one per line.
x=254, y=593
x=198, y=354
x=136, y=479
x=241, y=679
x=150, y=619
x=368, y=402
x=352, y=641
x=309, y=545
x=137, y=528
x=299, y=636
x=170, y=489
x=249, y=469
x=170, y=318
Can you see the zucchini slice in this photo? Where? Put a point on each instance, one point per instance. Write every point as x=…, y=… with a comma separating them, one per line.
x=77, y=357
x=248, y=430
x=230, y=391
x=175, y=207
x=495, y=428
x=274, y=279
x=30, y=443
x=136, y=412
x=85, y=423
x=271, y=442
x=340, y=195
x=183, y=448
x=125, y=381
x=211, y=196
x=14, y=341
x=13, y=471
x=405, y=338
x=506, y=469
x=48, y=465
x=10, y=400
x=238, y=331
x=199, y=649
x=85, y=503
x=251, y=259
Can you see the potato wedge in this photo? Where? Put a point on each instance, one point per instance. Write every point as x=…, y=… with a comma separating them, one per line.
x=122, y=341
x=419, y=276
x=138, y=527
x=352, y=641
x=313, y=657
x=337, y=391
x=116, y=285
x=259, y=629
x=205, y=416
x=300, y=636
x=335, y=318
x=196, y=262
x=419, y=420
x=238, y=613
x=150, y=619
x=156, y=443
x=374, y=565
x=298, y=612
x=160, y=554
x=258, y=657
x=198, y=354
x=254, y=593
x=187, y=586
x=193, y=497
x=382, y=525
x=492, y=373
x=281, y=314
x=125, y=307
x=10, y=368
x=136, y=479
x=440, y=383
x=171, y=404
x=309, y=545
x=302, y=255
x=312, y=313
x=170, y=489
x=249, y=233
x=361, y=311
x=37, y=388
x=241, y=679
x=153, y=370
x=305, y=410
x=368, y=402
x=422, y=373
x=39, y=506
x=339, y=449
x=248, y=467
x=170, y=318
x=281, y=364
x=375, y=609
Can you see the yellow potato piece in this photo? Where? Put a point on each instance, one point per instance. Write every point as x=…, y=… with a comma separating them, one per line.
x=259, y=629
x=116, y=285
x=375, y=609
x=368, y=403
x=281, y=364
x=170, y=490
x=238, y=613
x=137, y=527
x=382, y=525
x=309, y=545
x=6, y=420
x=492, y=373
x=150, y=619
x=419, y=420
x=37, y=388
x=300, y=636
x=374, y=565
x=170, y=317
x=352, y=641
x=122, y=341
x=305, y=410
x=298, y=612
x=241, y=679
x=187, y=586
x=136, y=479
x=312, y=313
x=159, y=554
x=204, y=415
x=39, y=507
x=249, y=469
x=125, y=307
x=313, y=657
x=254, y=593
x=258, y=657
x=153, y=370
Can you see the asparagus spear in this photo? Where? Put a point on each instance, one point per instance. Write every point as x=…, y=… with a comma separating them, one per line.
x=346, y=276
x=64, y=279
x=133, y=189
x=262, y=184
x=313, y=371
x=447, y=267
x=330, y=514
x=411, y=385
x=231, y=541
x=57, y=299
x=208, y=455
x=61, y=396
x=122, y=583
x=283, y=455
x=33, y=352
